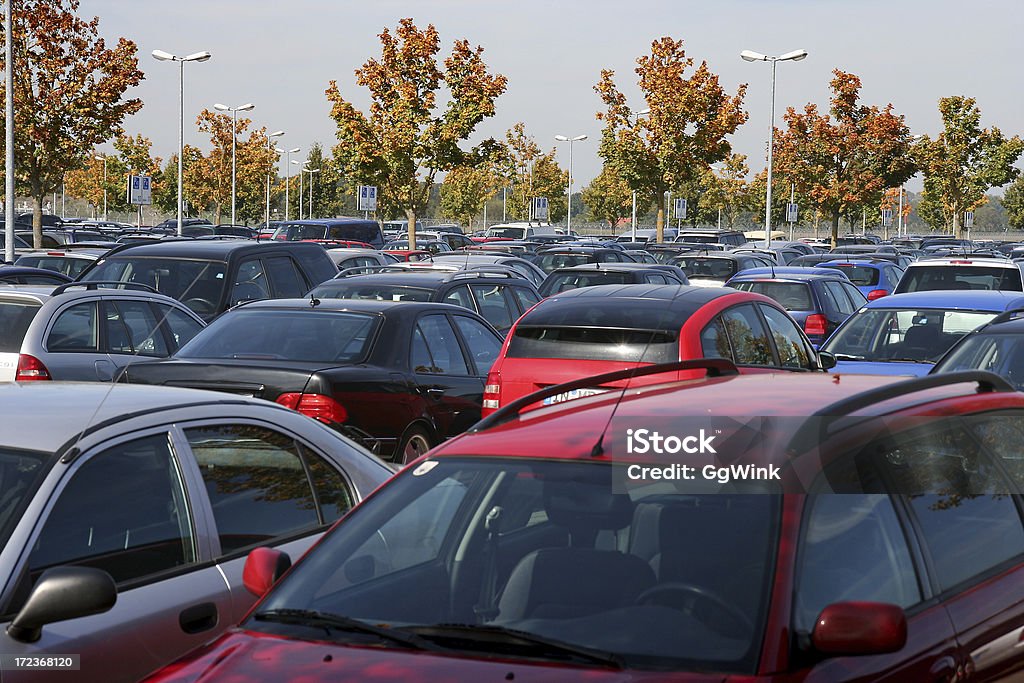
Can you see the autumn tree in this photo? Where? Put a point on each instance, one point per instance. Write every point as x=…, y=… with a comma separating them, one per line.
x=843, y=161
x=728, y=189
x=68, y=93
x=608, y=198
x=962, y=163
x=329, y=197
x=529, y=173
x=685, y=131
x=1013, y=202
x=408, y=137
x=86, y=183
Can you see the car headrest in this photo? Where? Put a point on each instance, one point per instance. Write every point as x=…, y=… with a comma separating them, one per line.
x=586, y=506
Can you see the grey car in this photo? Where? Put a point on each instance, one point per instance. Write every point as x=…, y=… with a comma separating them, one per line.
x=83, y=332
x=125, y=523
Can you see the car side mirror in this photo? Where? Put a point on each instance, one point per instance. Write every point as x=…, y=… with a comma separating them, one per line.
x=826, y=360
x=263, y=567
x=860, y=628
x=63, y=593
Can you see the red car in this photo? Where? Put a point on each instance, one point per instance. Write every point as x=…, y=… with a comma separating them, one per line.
x=594, y=330
x=551, y=546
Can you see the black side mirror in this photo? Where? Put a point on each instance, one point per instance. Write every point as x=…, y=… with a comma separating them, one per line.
x=63, y=593
x=826, y=360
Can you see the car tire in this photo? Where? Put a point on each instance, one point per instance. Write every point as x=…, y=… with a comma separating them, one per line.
x=415, y=442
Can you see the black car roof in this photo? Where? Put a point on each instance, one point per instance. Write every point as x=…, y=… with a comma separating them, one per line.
x=425, y=278
x=208, y=249
x=607, y=266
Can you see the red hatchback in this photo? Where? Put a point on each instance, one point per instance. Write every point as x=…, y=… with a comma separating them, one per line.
x=594, y=330
x=560, y=544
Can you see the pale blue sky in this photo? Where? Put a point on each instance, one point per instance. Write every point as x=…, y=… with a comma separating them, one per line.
x=281, y=56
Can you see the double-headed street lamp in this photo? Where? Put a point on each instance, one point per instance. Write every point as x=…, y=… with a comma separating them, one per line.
x=168, y=57
x=288, y=175
x=270, y=148
x=103, y=158
x=302, y=167
x=234, y=134
x=309, y=207
x=750, y=56
x=568, y=189
x=642, y=112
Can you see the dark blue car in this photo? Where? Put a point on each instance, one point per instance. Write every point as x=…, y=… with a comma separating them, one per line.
x=819, y=299
x=874, y=278
x=905, y=334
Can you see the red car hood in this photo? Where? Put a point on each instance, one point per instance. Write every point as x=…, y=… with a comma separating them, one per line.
x=245, y=657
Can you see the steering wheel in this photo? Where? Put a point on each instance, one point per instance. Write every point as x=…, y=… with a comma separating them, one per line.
x=200, y=305
x=696, y=593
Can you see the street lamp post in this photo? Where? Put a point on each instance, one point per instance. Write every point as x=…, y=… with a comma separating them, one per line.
x=234, y=134
x=642, y=112
x=302, y=167
x=750, y=56
x=168, y=57
x=309, y=207
x=568, y=189
x=270, y=148
x=103, y=158
x=288, y=175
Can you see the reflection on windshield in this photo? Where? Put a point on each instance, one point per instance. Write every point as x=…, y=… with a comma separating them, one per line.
x=910, y=335
x=655, y=577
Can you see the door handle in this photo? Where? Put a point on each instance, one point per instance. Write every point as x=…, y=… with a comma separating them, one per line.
x=198, y=618
x=435, y=392
x=944, y=670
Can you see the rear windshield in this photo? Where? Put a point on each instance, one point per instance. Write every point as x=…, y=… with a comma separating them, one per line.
x=550, y=262
x=372, y=291
x=514, y=233
x=59, y=264
x=274, y=334
x=928, y=278
x=179, y=278
x=697, y=267
x=368, y=232
x=793, y=296
x=862, y=276
x=15, y=317
x=563, y=282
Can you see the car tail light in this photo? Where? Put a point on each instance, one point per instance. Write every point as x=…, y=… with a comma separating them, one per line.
x=316, y=406
x=815, y=325
x=492, y=393
x=877, y=294
x=30, y=369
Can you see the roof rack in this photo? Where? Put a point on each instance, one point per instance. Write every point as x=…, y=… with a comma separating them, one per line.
x=715, y=367
x=817, y=430
x=1009, y=314
x=96, y=284
x=367, y=270
x=476, y=274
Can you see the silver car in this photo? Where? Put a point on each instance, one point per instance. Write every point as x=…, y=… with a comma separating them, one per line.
x=125, y=521
x=84, y=333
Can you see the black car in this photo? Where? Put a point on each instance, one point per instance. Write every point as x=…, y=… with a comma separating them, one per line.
x=25, y=275
x=211, y=276
x=171, y=224
x=396, y=377
x=469, y=259
x=561, y=257
x=593, y=274
x=499, y=295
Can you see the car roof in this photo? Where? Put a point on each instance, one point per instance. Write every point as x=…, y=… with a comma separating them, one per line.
x=790, y=273
x=683, y=300
x=351, y=305
x=965, y=260
x=985, y=300
x=606, y=266
x=210, y=249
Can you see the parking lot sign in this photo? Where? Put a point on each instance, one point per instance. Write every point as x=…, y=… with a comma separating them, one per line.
x=680, y=208
x=540, y=208
x=968, y=219
x=886, y=217
x=791, y=212
x=140, y=189
x=367, y=198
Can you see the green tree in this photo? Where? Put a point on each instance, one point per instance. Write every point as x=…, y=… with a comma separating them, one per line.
x=1013, y=202
x=608, y=198
x=68, y=96
x=690, y=117
x=530, y=173
x=729, y=190
x=963, y=163
x=405, y=141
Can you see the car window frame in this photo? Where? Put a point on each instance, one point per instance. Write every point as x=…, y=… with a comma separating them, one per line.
x=466, y=350
x=66, y=307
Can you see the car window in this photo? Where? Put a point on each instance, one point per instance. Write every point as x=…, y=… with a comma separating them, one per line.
x=250, y=284
x=714, y=342
x=790, y=345
x=443, y=347
x=830, y=304
x=132, y=328
x=846, y=306
x=16, y=316
x=285, y=278
x=460, y=296
x=123, y=511
x=855, y=295
x=747, y=335
x=484, y=347
x=333, y=495
x=256, y=483
x=180, y=326
x=656, y=279
x=493, y=306
x=525, y=298
x=793, y=296
x=75, y=329
x=852, y=548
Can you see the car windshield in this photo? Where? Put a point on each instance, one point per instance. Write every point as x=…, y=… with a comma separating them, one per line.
x=862, y=276
x=697, y=268
x=372, y=291
x=282, y=334
x=884, y=334
x=20, y=474
x=928, y=278
x=793, y=296
x=550, y=262
x=68, y=265
x=184, y=279
x=482, y=547
x=1002, y=354
x=16, y=315
x=563, y=282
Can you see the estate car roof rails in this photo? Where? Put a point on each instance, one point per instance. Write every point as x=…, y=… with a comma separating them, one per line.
x=819, y=426
x=1009, y=314
x=367, y=270
x=715, y=367
x=477, y=274
x=96, y=284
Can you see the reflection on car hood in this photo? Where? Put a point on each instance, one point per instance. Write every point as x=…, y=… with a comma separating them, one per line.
x=882, y=368
x=247, y=656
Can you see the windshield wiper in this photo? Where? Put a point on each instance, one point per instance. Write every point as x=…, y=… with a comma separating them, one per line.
x=336, y=622
x=846, y=356
x=539, y=646
x=909, y=360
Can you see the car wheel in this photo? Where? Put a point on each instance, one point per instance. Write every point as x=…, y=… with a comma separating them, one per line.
x=415, y=443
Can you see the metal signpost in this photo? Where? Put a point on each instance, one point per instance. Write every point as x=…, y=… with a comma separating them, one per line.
x=540, y=208
x=140, y=192
x=886, y=222
x=367, y=199
x=679, y=206
x=968, y=222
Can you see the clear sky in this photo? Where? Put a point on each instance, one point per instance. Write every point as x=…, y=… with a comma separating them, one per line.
x=281, y=56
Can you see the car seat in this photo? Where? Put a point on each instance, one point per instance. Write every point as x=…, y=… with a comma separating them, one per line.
x=921, y=341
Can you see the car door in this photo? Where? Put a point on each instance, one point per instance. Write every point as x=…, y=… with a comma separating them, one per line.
x=123, y=507
x=132, y=333
x=443, y=375
x=262, y=487
x=792, y=348
x=74, y=344
x=494, y=306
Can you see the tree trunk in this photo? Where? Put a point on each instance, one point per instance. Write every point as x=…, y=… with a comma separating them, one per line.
x=835, y=228
x=37, y=221
x=410, y=214
x=957, y=228
x=659, y=224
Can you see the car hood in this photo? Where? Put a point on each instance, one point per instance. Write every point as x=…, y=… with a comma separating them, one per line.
x=882, y=368
x=241, y=655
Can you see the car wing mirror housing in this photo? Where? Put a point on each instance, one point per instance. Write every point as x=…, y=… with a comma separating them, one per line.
x=826, y=360
x=63, y=593
x=263, y=567
x=860, y=628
